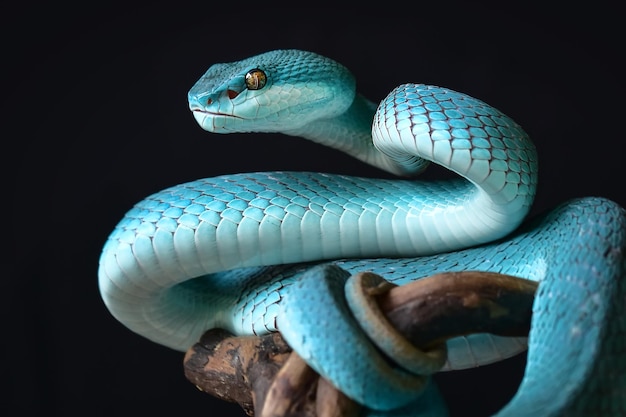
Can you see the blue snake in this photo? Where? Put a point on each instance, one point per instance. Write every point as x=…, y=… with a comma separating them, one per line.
x=260, y=252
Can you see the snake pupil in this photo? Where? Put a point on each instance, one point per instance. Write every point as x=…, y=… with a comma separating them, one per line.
x=255, y=79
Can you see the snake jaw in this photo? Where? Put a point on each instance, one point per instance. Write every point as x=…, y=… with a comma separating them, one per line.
x=213, y=122
x=213, y=113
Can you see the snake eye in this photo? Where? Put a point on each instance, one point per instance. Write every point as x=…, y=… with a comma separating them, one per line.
x=255, y=79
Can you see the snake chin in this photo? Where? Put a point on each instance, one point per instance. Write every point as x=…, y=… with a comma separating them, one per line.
x=211, y=121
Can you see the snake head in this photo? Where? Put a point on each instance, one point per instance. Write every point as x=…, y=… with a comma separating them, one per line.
x=277, y=91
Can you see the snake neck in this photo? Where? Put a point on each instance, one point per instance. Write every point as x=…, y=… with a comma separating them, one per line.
x=351, y=133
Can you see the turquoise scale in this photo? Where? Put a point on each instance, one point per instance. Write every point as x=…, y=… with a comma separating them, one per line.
x=231, y=251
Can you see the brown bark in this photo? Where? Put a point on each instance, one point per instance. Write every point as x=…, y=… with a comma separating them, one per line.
x=268, y=380
x=455, y=303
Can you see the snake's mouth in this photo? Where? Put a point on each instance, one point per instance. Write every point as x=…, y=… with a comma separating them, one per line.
x=213, y=121
x=198, y=112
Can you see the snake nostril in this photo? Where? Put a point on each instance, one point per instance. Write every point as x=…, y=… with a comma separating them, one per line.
x=232, y=94
x=209, y=101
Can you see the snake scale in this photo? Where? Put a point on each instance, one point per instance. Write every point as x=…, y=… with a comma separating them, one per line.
x=260, y=252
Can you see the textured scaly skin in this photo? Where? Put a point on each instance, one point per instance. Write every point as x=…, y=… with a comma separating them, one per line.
x=224, y=251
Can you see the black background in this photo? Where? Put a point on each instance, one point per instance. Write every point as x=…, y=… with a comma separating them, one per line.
x=95, y=113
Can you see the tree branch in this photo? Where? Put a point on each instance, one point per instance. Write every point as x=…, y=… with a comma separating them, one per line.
x=267, y=379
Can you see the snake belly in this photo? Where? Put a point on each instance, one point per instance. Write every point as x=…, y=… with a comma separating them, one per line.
x=224, y=251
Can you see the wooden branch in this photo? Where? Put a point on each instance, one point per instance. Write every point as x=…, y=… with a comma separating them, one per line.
x=450, y=304
x=236, y=369
x=267, y=379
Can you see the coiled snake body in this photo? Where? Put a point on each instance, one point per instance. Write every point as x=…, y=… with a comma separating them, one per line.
x=225, y=251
